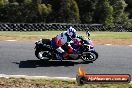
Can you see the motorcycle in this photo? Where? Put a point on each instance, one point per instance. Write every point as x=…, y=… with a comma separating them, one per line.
x=83, y=49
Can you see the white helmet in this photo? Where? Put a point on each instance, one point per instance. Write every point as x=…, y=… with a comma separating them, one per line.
x=71, y=32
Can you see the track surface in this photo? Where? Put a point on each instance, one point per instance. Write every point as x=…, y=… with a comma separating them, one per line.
x=17, y=58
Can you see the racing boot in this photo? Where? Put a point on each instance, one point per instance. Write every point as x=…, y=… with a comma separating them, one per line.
x=59, y=53
x=59, y=56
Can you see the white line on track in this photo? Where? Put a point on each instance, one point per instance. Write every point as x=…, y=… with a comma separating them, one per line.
x=111, y=44
x=35, y=77
x=11, y=40
x=131, y=82
x=129, y=45
x=108, y=44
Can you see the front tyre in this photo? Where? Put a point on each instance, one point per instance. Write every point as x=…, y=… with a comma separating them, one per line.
x=90, y=56
x=42, y=55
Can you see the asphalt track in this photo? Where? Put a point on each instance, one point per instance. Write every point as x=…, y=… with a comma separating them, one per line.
x=17, y=58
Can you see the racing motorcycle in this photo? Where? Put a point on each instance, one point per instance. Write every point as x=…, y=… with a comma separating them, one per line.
x=83, y=49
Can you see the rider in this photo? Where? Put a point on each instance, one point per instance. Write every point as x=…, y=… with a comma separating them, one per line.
x=61, y=39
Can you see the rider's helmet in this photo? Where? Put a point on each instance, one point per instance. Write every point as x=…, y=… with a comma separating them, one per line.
x=71, y=32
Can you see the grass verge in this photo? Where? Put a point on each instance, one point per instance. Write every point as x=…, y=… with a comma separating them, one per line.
x=120, y=38
x=43, y=83
x=51, y=34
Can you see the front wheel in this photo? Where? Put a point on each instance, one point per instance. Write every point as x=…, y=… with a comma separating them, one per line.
x=89, y=56
x=42, y=55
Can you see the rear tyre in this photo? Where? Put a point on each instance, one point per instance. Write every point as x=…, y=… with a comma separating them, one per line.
x=42, y=55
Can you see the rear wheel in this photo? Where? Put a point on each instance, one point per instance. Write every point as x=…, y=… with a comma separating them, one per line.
x=43, y=55
x=90, y=56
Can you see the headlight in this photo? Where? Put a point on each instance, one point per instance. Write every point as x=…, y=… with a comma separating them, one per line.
x=39, y=42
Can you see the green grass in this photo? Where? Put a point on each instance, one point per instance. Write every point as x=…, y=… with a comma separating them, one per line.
x=120, y=35
x=52, y=83
x=51, y=34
